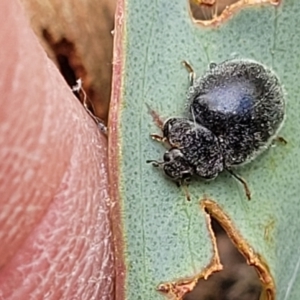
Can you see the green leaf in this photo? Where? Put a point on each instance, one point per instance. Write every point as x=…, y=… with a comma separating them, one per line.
x=161, y=237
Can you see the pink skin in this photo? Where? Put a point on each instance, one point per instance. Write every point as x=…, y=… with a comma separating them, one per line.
x=55, y=233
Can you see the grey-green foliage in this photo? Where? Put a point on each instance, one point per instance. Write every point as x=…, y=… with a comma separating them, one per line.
x=166, y=237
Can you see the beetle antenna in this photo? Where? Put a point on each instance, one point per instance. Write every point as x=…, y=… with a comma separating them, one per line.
x=242, y=181
x=155, y=163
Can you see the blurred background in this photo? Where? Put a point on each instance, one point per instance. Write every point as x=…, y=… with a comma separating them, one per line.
x=78, y=37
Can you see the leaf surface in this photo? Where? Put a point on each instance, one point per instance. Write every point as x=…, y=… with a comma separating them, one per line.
x=160, y=237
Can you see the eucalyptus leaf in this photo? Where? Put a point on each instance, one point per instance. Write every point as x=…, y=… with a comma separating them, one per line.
x=160, y=236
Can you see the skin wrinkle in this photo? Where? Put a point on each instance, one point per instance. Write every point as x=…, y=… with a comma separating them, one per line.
x=55, y=232
x=24, y=121
x=62, y=256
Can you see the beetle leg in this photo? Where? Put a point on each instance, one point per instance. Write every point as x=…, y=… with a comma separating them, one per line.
x=158, y=138
x=186, y=191
x=156, y=117
x=281, y=140
x=192, y=74
x=184, y=185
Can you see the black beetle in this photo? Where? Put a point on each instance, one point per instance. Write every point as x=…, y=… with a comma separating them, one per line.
x=235, y=110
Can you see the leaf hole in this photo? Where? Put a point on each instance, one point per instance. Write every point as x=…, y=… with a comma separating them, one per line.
x=215, y=12
x=237, y=280
x=235, y=272
x=208, y=9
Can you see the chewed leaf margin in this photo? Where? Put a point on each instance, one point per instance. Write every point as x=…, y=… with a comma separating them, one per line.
x=230, y=10
x=178, y=289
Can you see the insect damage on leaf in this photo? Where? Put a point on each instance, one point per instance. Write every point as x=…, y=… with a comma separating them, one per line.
x=250, y=285
x=178, y=289
x=216, y=12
